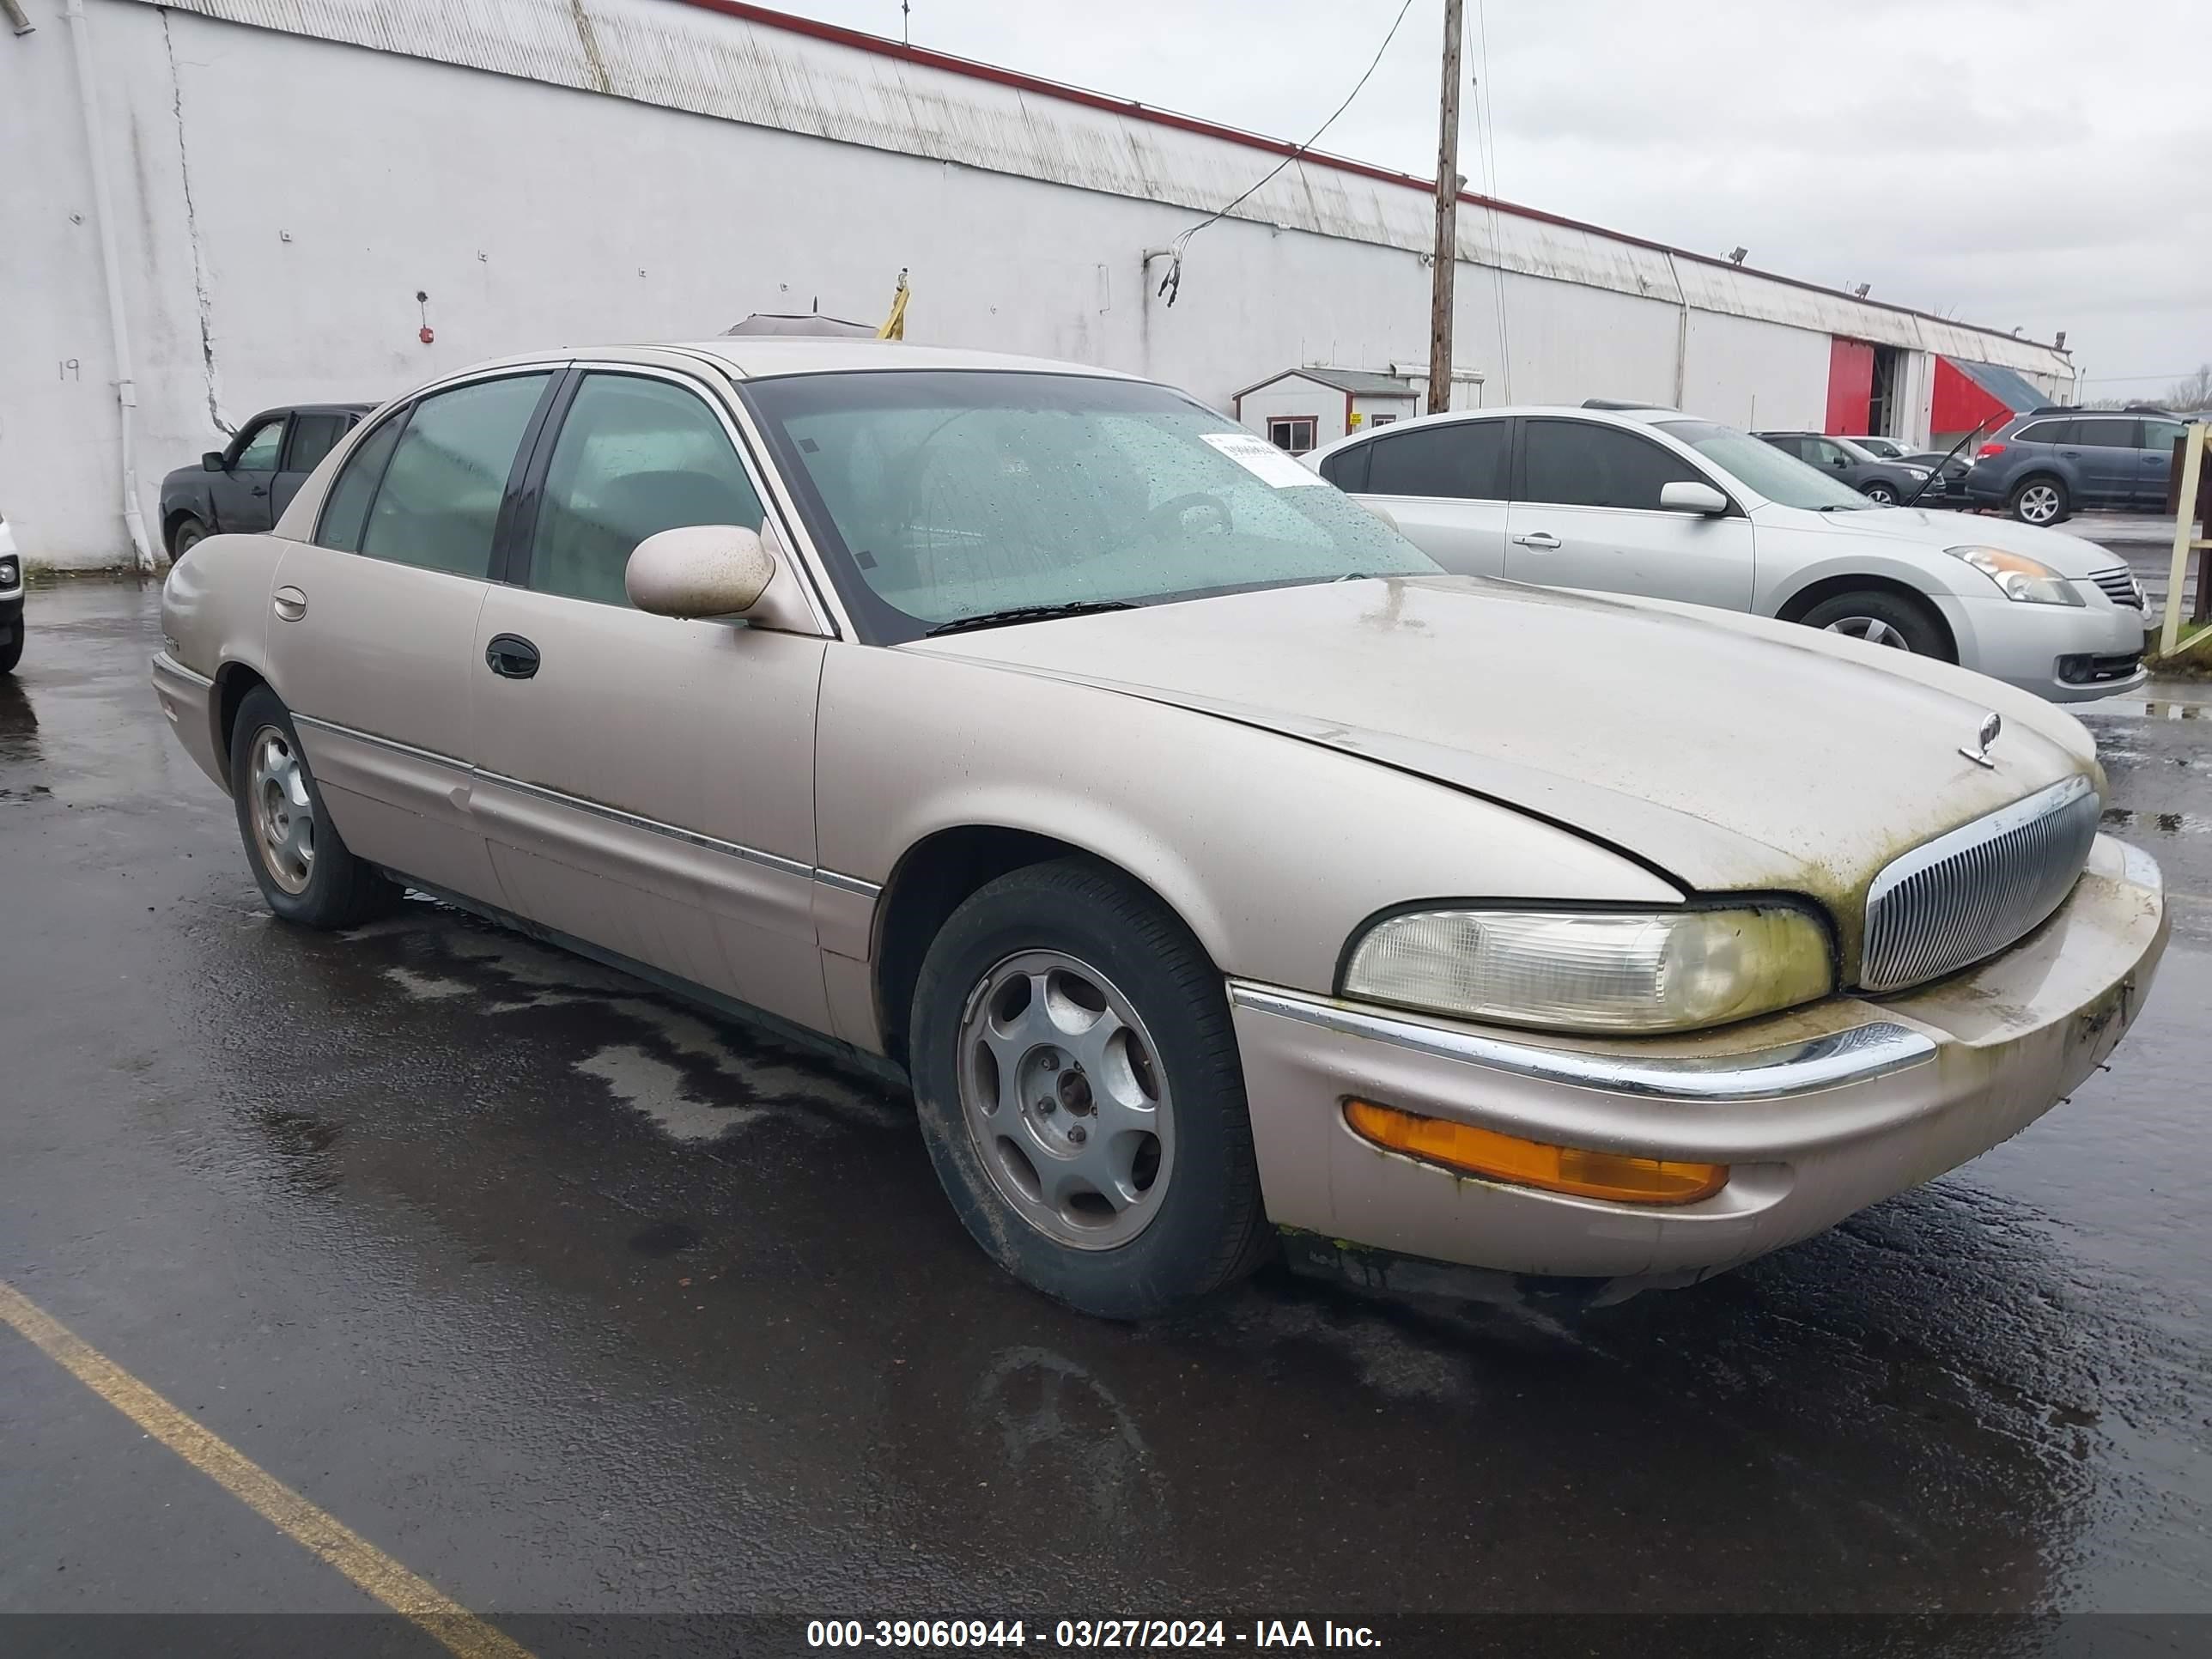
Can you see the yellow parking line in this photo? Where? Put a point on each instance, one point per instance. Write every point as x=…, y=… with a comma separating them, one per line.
x=313, y=1529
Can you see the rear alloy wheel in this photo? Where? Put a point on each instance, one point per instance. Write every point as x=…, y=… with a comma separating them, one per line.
x=1881, y=617
x=301, y=864
x=2039, y=500
x=1880, y=495
x=1080, y=1094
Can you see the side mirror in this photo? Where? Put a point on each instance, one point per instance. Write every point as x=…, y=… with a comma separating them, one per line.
x=213, y=462
x=699, y=571
x=1685, y=496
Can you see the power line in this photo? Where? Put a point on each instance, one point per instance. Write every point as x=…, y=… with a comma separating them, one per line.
x=1171, y=283
x=1486, y=143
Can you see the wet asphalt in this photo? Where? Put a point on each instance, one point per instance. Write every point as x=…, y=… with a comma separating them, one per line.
x=577, y=1301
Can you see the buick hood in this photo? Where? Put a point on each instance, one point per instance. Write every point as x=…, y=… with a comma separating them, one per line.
x=1730, y=752
x=2069, y=555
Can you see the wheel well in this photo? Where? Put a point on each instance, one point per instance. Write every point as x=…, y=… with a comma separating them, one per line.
x=1802, y=602
x=175, y=518
x=233, y=683
x=2040, y=475
x=933, y=879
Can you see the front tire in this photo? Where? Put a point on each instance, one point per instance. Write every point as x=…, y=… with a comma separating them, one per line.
x=2041, y=500
x=187, y=533
x=306, y=872
x=1080, y=1095
x=1882, y=617
x=1879, y=493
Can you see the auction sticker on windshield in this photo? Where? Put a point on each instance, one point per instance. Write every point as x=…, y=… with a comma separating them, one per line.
x=1261, y=459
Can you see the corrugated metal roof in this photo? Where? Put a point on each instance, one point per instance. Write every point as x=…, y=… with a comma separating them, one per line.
x=747, y=63
x=1359, y=382
x=2002, y=383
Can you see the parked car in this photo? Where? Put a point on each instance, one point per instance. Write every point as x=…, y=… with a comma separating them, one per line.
x=1949, y=489
x=2041, y=468
x=1886, y=483
x=1037, y=734
x=246, y=485
x=11, y=601
x=1883, y=449
x=1656, y=502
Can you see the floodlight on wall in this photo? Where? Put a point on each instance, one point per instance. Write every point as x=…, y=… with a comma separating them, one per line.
x=1738, y=255
x=1860, y=292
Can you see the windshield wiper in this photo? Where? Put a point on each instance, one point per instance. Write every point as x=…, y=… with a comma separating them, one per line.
x=1844, y=506
x=1022, y=613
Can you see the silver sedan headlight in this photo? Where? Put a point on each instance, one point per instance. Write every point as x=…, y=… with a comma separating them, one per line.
x=1596, y=970
x=2029, y=581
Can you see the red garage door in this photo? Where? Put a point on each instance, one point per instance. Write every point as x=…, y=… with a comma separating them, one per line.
x=1850, y=387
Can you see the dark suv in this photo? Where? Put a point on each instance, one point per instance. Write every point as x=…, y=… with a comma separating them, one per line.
x=247, y=485
x=2043, y=466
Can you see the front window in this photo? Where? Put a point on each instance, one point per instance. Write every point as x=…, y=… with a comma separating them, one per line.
x=258, y=453
x=938, y=495
x=1758, y=466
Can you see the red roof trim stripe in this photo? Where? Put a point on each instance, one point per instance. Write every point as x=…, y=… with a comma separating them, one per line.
x=882, y=47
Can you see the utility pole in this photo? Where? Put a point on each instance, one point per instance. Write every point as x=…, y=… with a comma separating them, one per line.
x=1446, y=251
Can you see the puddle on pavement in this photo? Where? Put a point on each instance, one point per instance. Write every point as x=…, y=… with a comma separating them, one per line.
x=2165, y=823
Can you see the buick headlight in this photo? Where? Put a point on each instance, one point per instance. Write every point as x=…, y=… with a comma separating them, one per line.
x=2029, y=581
x=1596, y=970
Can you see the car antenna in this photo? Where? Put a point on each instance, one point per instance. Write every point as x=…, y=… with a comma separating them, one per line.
x=1936, y=470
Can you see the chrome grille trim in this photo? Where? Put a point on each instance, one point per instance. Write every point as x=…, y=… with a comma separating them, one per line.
x=1968, y=894
x=2119, y=585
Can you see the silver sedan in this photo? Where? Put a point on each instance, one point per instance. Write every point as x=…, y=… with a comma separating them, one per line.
x=1214, y=866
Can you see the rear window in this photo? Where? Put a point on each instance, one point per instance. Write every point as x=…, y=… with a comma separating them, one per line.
x=1459, y=460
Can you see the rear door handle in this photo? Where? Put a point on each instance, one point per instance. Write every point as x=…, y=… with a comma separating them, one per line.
x=289, y=603
x=511, y=657
x=1538, y=539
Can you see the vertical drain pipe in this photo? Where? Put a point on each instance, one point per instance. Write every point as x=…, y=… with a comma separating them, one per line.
x=126, y=388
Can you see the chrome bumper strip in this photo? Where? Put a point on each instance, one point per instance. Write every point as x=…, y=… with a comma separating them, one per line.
x=1858, y=1055
x=164, y=663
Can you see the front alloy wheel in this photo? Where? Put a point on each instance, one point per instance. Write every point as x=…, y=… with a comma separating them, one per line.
x=1880, y=495
x=1079, y=1091
x=1062, y=1093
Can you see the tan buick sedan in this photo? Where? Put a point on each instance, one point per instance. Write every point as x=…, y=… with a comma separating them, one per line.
x=1212, y=863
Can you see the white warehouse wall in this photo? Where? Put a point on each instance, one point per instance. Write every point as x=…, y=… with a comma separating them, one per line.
x=280, y=199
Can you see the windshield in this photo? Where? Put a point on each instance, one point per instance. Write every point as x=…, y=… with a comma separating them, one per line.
x=1761, y=466
x=939, y=495
x=1877, y=449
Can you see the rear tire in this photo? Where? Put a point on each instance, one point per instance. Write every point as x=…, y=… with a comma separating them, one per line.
x=301, y=864
x=1880, y=616
x=1032, y=1120
x=2042, y=500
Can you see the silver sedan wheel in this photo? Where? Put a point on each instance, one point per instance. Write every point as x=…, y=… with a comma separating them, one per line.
x=283, y=817
x=1873, y=629
x=2038, y=503
x=1064, y=1095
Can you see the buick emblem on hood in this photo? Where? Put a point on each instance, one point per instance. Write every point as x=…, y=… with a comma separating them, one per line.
x=1991, y=725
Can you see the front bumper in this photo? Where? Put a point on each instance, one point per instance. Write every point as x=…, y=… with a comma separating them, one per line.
x=1817, y=1113
x=2062, y=653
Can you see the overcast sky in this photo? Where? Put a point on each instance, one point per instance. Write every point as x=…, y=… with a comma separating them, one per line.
x=2009, y=162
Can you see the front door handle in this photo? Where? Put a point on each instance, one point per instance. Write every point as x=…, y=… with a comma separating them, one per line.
x=289, y=603
x=511, y=657
x=1542, y=539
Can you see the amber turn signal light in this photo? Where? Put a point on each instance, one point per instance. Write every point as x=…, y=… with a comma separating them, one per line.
x=1496, y=1156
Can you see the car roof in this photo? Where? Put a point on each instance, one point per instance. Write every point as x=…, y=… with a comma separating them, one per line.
x=311, y=409
x=756, y=356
